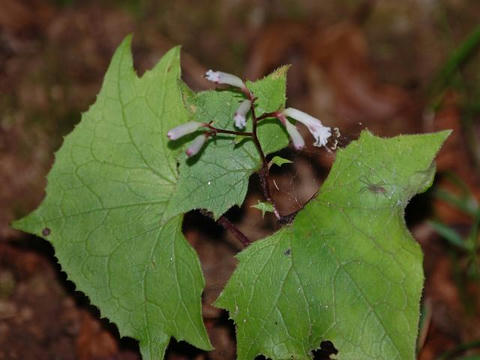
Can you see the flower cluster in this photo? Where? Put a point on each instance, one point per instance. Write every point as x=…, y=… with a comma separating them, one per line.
x=320, y=132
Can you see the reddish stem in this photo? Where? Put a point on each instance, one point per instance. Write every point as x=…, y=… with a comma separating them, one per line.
x=230, y=132
x=264, y=171
x=227, y=224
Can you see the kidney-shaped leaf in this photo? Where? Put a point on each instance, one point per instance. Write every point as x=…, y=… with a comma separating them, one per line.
x=347, y=270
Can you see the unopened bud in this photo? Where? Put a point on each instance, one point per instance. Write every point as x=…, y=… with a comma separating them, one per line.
x=184, y=129
x=219, y=77
x=297, y=139
x=196, y=145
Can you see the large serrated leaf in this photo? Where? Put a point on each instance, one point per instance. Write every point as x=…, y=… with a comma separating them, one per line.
x=217, y=178
x=347, y=270
x=105, y=209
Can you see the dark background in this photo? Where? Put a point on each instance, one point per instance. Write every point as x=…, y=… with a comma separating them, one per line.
x=390, y=66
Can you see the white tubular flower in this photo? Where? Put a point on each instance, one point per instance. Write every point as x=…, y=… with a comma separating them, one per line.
x=219, y=77
x=297, y=139
x=196, y=145
x=320, y=133
x=183, y=130
x=240, y=116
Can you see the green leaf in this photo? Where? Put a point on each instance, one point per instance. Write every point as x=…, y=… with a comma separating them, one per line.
x=217, y=178
x=279, y=161
x=270, y=91
x=104, y=211
x=263, y=207
x=347, y=270
x=217, y=107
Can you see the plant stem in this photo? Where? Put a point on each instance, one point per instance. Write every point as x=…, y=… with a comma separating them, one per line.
x=264, y=172
x=227, y=225
x=230, y=132
x=266, y=115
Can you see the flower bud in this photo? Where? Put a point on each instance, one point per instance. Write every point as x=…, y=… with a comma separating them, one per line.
x=219, y=77
x=184, y=129
x=196, y=145
x=320, y=133
x=297, y=139
x=295, y=135
x=241, y=113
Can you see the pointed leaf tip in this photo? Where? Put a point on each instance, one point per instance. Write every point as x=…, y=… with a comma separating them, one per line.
x=104, y=211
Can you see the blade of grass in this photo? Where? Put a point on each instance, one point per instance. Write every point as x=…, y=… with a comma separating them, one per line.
x=457, y=59
x=473, y=244
x=449, y=234
x=460, y=202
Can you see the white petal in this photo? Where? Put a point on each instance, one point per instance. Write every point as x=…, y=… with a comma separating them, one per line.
x=213, y=76
x=296, y=137
x=321, y=135
x=240, y=121
x=240, y=115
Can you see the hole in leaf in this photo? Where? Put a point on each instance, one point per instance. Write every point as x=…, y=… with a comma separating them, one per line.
x=326, y=350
